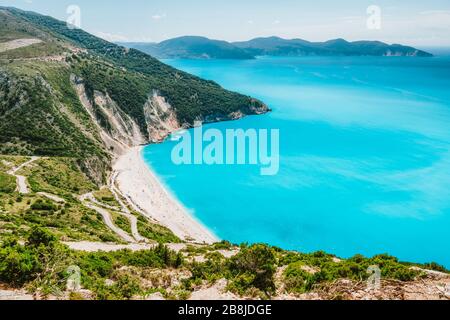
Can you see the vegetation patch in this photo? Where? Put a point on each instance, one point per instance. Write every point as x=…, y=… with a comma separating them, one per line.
x=155, y=232
x=60, y=176
x=104, y=195
x=299, y=280
x=7, y=183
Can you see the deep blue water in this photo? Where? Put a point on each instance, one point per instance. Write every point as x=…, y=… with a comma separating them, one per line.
x=365, y=157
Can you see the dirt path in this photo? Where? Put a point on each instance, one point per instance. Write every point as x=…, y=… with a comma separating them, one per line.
x=22, y=186
x=52, y=197
x=18, y=43
x=124, y=212
x=134, y=227
x=106, y=218
x=118, y=194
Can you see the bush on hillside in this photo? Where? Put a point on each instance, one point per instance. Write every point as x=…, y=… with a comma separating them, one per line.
x=255, y=267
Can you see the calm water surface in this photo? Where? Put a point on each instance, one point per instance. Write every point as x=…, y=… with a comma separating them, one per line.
x=365, y=157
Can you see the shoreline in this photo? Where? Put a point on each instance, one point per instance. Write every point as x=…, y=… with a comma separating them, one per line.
x=137, y=182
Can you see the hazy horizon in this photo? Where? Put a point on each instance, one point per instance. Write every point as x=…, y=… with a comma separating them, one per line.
x=414, y=23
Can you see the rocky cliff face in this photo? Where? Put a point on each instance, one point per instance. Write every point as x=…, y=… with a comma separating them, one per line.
x=120, y=131
x=160, y=117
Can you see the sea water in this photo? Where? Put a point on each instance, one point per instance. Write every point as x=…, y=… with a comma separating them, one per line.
x=364, y=157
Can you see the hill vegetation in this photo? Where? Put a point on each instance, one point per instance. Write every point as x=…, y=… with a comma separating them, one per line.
x=275, y=46
x=257, y=271
x=192, y=97
x=40, y=108
x=191, y=47
x=61, y=99
x=203, y=48
x=36, y=230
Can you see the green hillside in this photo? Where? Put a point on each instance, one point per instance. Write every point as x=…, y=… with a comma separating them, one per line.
x=41, y=112
x=191, y=96
x=275, y=46
x=191, y=47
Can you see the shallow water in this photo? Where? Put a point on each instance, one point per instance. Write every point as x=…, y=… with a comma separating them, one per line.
x=365, y=157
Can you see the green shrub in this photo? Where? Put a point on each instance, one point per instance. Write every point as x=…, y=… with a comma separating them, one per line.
x=159, y=257
x=97, y=265
x=127, y=285
x=41, y=205
x=255, y=267
x=21, y=264
x=391, y=268
x=212, y=269
x=7, y=183
x=436, y=267
x=18, y=264
x=156, y=232
x=39, y=236
x=329, y=270
x=223, y=245
x=298, y=280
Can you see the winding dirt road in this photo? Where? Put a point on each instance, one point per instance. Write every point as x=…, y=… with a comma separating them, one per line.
x=90, y=201
x=107, y=219
x=22, y=185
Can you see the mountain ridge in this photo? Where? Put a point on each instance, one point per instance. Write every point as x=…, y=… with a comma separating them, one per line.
x=195, y=47
x=192, y=47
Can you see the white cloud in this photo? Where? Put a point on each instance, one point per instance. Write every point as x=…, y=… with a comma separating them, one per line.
x=159, y=16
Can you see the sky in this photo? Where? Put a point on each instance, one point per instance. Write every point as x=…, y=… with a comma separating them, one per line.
x=414, y=22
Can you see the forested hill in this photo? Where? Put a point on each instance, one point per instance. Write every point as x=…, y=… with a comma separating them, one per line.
x=192, y=48
x=178, y=86
x=275, y=46
x=203, y=48
x=65, y=92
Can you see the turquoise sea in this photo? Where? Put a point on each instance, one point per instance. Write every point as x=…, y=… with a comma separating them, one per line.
x=365, y=157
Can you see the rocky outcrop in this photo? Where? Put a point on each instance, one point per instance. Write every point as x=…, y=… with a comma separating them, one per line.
x=121, y=131
x=122, y=127
x=114, y=146
x=256, y=108
x=160, y=117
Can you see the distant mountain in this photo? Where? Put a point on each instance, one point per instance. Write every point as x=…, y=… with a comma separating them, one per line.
x=275, y=46
x=192, y=48
x=204, y=48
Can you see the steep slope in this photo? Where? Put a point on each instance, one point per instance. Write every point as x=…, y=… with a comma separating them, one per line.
x=192, y=97
x=191, y=47
x=67, y=93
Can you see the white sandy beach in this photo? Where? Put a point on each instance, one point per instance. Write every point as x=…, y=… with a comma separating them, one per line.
x=141, y=186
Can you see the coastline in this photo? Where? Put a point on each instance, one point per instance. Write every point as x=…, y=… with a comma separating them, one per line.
x=147, y=194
